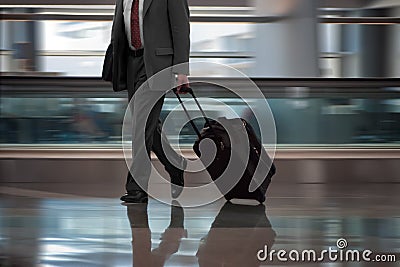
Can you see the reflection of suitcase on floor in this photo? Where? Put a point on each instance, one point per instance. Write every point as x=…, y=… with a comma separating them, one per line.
x=236, y=235
x=257, y=157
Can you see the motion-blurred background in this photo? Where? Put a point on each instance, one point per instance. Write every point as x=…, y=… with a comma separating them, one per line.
x=52, y=52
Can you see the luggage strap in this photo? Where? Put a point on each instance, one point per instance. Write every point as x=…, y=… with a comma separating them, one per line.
x=190, y=91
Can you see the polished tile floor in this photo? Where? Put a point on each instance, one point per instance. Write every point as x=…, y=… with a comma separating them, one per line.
x=44, y=227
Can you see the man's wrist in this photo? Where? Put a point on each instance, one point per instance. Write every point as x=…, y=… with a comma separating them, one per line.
x=181, y=69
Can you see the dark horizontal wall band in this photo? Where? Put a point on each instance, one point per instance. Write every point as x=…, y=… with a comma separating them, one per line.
x=44, y=53
x=361, y=20
x=211, y=19
x=114, y=152
x=296, y=170
x=102, y=17
x=263, y=82
x=270, y=87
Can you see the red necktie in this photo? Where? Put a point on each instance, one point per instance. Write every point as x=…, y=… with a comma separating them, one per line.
x=135, y=34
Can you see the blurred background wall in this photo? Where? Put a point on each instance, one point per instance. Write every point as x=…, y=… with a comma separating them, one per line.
x=51, y=55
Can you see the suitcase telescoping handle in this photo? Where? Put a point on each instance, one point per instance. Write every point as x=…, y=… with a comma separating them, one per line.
x=190, y=91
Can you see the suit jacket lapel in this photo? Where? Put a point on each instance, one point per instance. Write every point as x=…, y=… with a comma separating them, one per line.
x=146, y=6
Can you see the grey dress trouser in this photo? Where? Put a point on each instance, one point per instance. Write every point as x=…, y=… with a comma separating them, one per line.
x=154, y=139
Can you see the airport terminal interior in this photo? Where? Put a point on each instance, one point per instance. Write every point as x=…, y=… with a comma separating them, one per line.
x=319, y=82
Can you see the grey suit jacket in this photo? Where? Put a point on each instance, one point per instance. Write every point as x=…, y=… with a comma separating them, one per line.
x=166, y=41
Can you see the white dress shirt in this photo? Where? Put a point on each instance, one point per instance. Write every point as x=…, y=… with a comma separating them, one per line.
x=127, y=20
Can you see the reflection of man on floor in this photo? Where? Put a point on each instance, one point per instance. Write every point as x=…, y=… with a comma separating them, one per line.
x=141, y=236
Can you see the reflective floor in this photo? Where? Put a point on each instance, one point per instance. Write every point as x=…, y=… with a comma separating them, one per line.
x=41, y=228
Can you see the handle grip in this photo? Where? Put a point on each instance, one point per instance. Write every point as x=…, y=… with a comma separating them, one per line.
x=184, y=90
x=190, y=91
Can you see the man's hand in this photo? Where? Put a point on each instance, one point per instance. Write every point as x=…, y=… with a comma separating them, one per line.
x=182, y=81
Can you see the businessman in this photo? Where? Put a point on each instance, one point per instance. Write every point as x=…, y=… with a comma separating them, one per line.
x=149, y=36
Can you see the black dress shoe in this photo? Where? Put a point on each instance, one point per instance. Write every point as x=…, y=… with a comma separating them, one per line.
x=135, y=197
x=177, y=184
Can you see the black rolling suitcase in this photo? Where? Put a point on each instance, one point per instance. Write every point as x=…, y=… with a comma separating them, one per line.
x=257, y=156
